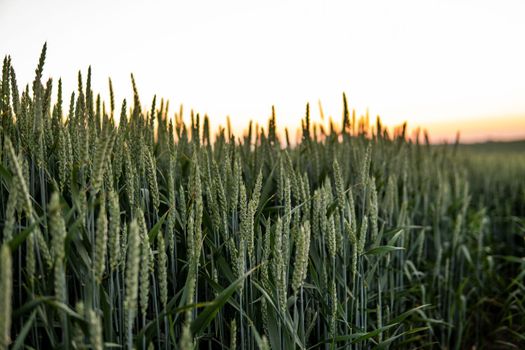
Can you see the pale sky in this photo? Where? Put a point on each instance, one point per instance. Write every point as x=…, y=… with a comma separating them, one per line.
x=444, y=64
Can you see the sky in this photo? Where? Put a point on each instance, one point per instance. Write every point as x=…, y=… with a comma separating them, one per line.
x=444, y=65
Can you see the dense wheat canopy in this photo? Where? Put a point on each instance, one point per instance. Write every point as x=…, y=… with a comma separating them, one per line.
x=152, y=233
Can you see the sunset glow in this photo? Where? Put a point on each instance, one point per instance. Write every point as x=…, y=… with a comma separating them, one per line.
x=442, y=65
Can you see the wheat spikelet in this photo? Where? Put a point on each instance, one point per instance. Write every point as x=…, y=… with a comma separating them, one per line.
x=114, y=230
x=307, y=204
x=58, y=236
x=243, y=213
x=57, y=227
x=124, y=244
x=130, y=176
x=265, y=259
x=353, y=240
x=301, y=256
x=279, y=269
x=95, y=330
x=60, y=281
x=162, y=263
x=132, y=271
x=351, y=210
x=251, y=210
x=233, y=334
x=152, y=179
x=103, y=150
x=333, y=305
x=170, y=223
x=183, y=209
x=78, y=333
x=240, y=264
x=9, y=225
x=101, y=240
x=331, y=241
x=6, y=290
x=373, y=209
x=82, y=205
x=30, y=262
x=362, y=235
x=234, y=187
x=365, y=166
x=197, y=193
x=145, y=263
x=186, y=340
x=339, y=186
x=20, y=181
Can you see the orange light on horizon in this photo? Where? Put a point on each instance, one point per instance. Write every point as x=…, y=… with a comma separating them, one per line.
x=480, y=129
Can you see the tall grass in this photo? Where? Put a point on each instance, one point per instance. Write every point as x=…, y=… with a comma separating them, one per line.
x=149, y=232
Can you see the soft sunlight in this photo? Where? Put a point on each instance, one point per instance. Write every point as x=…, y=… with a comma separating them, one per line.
x=443, y=65
x=262, y=175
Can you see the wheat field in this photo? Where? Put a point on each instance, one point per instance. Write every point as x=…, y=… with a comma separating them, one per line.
x=124, y=227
